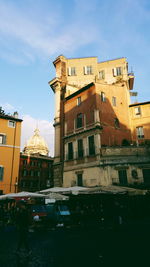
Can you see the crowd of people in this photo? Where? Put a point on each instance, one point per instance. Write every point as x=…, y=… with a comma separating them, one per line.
x=108, y=211
x=18, y=215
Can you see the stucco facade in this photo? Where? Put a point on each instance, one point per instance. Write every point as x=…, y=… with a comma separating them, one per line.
x=10, y=131
x=91, y=114
x=140, y=122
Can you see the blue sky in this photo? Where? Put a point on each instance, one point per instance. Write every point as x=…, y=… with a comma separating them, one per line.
x=33, y=33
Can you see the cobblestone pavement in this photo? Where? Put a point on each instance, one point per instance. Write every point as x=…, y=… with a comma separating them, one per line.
x=75, y=247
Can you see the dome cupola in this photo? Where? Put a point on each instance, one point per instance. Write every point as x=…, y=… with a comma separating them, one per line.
x=36, y=145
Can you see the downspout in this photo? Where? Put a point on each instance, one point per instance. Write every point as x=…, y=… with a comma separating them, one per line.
x=13, y=155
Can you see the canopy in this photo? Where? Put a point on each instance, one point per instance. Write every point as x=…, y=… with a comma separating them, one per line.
x=62, y=190
x=111, y=189
x=22, y=195
x=57, y=196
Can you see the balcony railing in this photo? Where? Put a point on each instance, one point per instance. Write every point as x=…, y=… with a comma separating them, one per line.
x=82, y=153
x=83, y=128
x=131, y=73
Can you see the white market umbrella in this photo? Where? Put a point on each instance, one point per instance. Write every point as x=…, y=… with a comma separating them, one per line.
x=56, y=196
x=64, y=189
x=21, y=195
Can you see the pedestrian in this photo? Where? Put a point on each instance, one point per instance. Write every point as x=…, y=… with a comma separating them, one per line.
x=22, y=222
x=1, y=216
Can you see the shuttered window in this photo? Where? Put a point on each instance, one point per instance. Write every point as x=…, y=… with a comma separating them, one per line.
x=101, y=75
x=88, y=70
x=117, y=71
x=2, y=139
x=137, y=111
x=1, y=173
x=71, y=71
x=140, y=132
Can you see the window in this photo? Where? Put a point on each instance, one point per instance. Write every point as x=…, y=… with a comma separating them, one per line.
x=117, y=71
x=23, y=183
x=116, y=123
x=123, y=177
x=88, y=70
x=70, y=150
x=1, y=173
x=2, y=139
x=48, y=183
x=140, y=132
x=114, y=101
x=25, y=162
x=91, y=145
x=32, y=173
x=101, y=75
x=38, y=173
x=80, y=148
x=24, y=173
x=79, y=122
x=137, y=110
x=79, y=101
x=31, y=184
x=71, y=71
x=32, y=163
x=146, y=176
x=79, y=179
x=11, y=124
x=103, y=97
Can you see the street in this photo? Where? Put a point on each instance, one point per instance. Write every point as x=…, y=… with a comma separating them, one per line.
x=79, y=246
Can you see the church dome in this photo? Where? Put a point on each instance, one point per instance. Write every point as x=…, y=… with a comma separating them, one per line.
x=36, y=145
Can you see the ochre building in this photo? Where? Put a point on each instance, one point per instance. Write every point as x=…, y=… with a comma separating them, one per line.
x=140, y=122
x=10, y=131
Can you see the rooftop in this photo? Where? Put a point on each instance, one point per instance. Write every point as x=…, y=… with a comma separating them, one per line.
x=5, y=116
x=139, y=104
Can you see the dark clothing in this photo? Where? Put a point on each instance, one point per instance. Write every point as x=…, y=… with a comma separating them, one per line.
x=22, y=221
x=22, y=218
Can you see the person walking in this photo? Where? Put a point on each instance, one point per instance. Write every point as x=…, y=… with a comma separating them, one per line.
x=22, y=222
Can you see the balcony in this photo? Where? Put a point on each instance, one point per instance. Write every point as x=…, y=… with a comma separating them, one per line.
x=131, y=80
x=81, y=154
x=85, y=128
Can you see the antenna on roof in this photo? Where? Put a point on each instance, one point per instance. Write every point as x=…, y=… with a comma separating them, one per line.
x=131, y=69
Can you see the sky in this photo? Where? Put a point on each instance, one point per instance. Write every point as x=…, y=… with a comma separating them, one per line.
x=33, y=33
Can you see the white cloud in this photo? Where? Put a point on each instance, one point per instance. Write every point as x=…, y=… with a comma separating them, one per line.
x=40, y=37
x=29, y=124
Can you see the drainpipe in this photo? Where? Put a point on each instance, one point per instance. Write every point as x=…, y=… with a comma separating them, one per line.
x=13, y=155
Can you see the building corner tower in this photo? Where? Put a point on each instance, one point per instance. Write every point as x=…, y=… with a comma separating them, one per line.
x=58, y=85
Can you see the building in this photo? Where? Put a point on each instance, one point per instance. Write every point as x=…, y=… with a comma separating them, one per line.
x=92, y=124
x=140, y=122
x=36, y=167
x=10, y=131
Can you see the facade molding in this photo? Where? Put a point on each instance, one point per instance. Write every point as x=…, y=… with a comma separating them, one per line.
x=3, y=145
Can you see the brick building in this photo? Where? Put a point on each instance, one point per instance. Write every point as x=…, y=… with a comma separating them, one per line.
x=36, y=167
x=93, y=125
x=35, y=172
